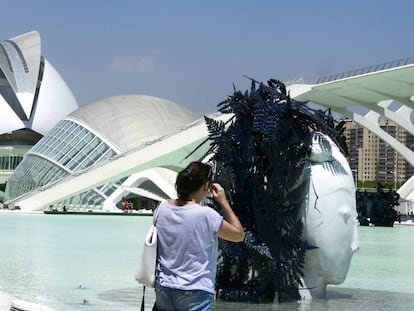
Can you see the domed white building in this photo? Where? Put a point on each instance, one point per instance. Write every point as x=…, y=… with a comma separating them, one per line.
x=33, y=99
x=97, y=132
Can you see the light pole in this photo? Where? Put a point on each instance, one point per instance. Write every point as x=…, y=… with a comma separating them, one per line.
x=394, y=174
x=395, y=181
x=363, y=181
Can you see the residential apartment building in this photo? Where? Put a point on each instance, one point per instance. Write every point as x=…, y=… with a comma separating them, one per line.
x=371, y=159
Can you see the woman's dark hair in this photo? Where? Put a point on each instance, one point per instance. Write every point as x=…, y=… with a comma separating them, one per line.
x=192, y=178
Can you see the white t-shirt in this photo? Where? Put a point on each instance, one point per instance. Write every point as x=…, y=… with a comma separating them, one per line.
x=187, y=246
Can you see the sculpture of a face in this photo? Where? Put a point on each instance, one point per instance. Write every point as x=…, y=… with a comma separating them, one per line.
x=330, y=222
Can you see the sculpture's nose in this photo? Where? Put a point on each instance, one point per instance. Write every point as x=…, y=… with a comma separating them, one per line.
x=345, y=212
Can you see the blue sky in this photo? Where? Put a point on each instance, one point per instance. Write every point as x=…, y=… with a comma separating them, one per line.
x=191, y=52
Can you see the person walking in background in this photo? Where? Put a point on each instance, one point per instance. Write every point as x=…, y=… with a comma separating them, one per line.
x=188, y=241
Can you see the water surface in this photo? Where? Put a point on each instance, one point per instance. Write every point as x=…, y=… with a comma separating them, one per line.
x=88, y=262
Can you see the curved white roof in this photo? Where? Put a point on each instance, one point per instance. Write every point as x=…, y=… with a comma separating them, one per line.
x=32, y=94
x=129, y=120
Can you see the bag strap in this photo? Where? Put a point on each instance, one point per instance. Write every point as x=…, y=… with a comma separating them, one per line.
x=143, y=299
x=154, y=221
x=155, y=213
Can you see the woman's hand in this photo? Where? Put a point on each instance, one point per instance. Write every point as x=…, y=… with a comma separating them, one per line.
x=218, y=193
x=231, y=228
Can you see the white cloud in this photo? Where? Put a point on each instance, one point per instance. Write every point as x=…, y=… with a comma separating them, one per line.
x=131, y=65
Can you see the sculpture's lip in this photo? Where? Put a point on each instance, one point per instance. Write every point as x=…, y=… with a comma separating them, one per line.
x=355, y=245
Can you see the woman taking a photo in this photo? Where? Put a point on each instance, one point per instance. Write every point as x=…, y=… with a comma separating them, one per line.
x=188, y=241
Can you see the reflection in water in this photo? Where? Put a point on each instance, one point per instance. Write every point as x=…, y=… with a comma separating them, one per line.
x=342, y=299
x=338, y=300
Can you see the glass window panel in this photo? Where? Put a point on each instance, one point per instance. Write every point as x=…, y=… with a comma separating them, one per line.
x=68, y=143
x=109, y=154
x=94, y=142
x=32, y=173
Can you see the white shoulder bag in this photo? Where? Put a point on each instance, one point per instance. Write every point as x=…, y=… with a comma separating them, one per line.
x=145, y=272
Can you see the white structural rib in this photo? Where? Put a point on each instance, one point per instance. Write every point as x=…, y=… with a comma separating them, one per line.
x=133, y=185
x=375, y=88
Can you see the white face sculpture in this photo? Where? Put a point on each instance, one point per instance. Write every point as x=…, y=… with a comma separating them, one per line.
x=330, y=222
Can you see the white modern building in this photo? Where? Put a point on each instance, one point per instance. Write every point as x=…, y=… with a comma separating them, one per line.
x=98, y=133
x=33, y=99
